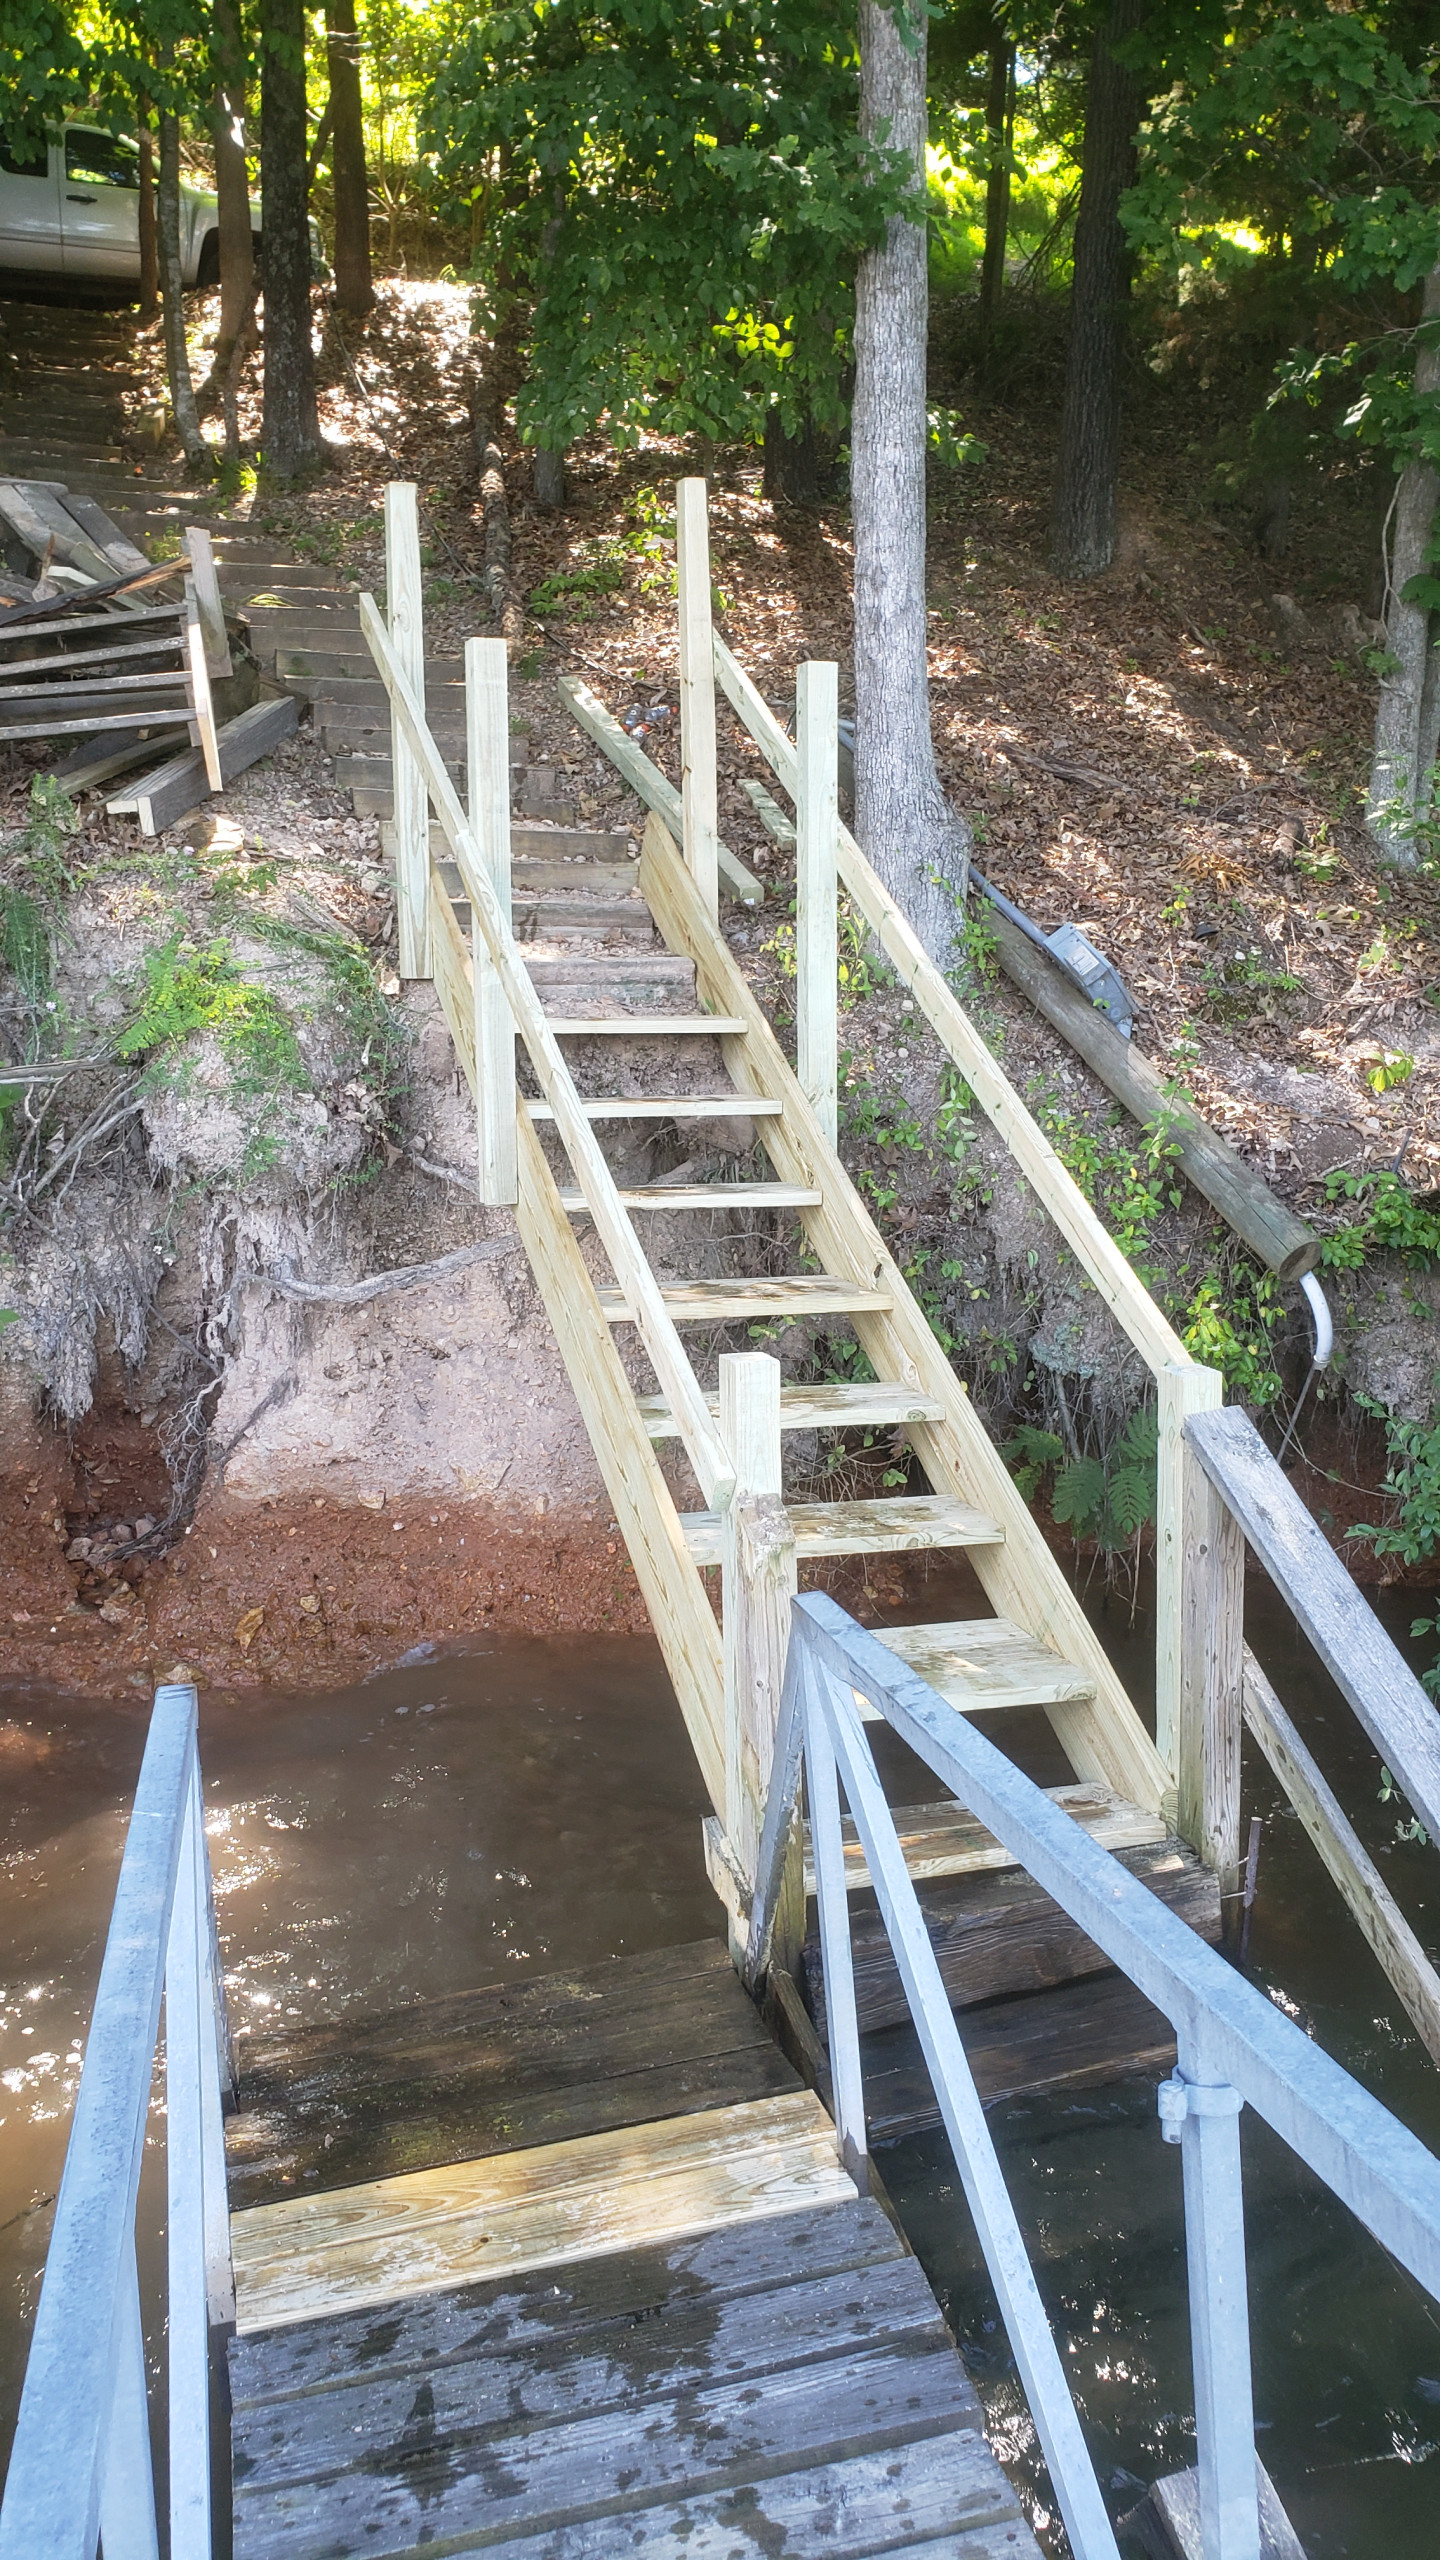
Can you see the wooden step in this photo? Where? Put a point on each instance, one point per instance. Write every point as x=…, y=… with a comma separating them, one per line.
x=672, y=1106
x=654, y=1026
x=809, y=1293
x=983, y=1665
x=947, y=1840
x=705, y=1195
x=905, y=1522
x=879, y=1405
x=573, y=983
x=393, y=2238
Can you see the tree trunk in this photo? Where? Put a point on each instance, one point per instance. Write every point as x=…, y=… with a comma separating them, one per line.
x=1402, y=795
x=792, y=463
x=549, y=477
x=999, y=145
x=1082, y=533
x=232, y=182
x=149, y=246
x=919, y=846
x=291, y=431
x=354, y=290
x=172, y=298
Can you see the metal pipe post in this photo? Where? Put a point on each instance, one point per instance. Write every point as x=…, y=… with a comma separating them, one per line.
x=842, y=2024
x=1202, y=2113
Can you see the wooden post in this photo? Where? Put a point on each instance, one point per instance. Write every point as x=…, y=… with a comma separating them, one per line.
x=817, y=818
x=405, y=616
x=759, y=1583
x=1200, y=1630
x=487, y=739
x=699, y=788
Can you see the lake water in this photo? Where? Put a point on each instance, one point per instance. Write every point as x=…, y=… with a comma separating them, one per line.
x=521, y=1806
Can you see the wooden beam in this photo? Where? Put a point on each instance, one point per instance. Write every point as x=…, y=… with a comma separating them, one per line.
x=487, y=729
x=1199, y=1597
x=201, y=705
x=1371, y=1904
x=758, y=1584
x=1359, y=1656
x=644, y=1508
x=632, y=1271
x=1218, y=1172
x=405, y=616
x=817, y=697
x=207, y=597
x=1089, y=1239
x=649, y=783
x=699, y=784
x=175, y=787
x=1103, y=1736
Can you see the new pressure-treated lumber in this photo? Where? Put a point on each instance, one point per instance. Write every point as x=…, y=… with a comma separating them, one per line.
x=1273, y=1232
x=405, y=611
x=651, y=785
x=1103, y=1737
x=701, y=1195
x=645, y=1511
x=1371, y=1903
x=175, y=787
x=800, y=1294
x=1360, y=1658
x=817, y=705
x=824, y=1405
x=487, y=734
x=632, y=1271
x=662, y=1106
x=202, y=708
x=983, y=1665
x=758, y=1566
x=946, y=1840
x=902, y=1524
x=699, y=782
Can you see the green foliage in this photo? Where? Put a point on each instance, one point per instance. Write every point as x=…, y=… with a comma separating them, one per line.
x=1412, y=1482
x=1229, y=1323
x=1392, y=1220
x=684, y=198
x=1237, y=986
x=189, y=988
x=1127, y=1173
x=1109, y=1498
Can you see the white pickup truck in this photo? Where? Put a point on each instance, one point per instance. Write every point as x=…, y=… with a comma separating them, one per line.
x=72, y=208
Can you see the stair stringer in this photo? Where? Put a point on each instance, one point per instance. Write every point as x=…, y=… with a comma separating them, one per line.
x=645, y=1511
x=1104, y=1736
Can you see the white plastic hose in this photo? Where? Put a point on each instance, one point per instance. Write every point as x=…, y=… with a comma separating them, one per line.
x=1320, y=1318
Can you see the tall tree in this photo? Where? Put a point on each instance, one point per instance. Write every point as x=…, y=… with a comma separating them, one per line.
x=232, y=179
x=918, y=844
x=172, y=295
x=291, y=428
x=1403, y=801
x=354, y=285
x=999, y=153
x=149, y=242
x=1082, y=531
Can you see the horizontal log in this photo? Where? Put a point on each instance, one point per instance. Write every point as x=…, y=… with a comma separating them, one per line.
x=1282, y=1241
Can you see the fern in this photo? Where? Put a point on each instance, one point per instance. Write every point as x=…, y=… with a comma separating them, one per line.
x=1029, y=1456
x=1108, y=1499
x=1078, y=1500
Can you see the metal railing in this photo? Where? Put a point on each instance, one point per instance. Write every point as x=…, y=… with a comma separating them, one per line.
x=81, y=2468
x=1234, y=2049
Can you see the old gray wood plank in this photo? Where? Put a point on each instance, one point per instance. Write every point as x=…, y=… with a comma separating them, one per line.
x=541, y=2311
x=175, y=788
x=688, y=2344
x=1359, y=1656
x=420, y=2485
x=1000, y=1933
x=1101, y=2029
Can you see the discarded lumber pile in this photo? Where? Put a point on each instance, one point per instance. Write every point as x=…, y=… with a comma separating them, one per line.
x=122, y=661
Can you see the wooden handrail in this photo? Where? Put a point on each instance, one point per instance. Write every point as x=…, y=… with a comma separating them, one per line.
x=1089, y=1239
x=677, y=1379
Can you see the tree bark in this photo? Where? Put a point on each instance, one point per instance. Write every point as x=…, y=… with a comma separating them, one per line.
x=1407, y=719
x=1082, y=535
x=917, y=843
x=999, y=144
x=291, y=430
x=232, y=182
x=149, y=245
x=172, y=298
x=549, y=477
x=354, y=288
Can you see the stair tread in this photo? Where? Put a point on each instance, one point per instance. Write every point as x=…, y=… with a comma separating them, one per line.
x=947, y=1840
x=811, y=1408
x=674, y=1106
x=707, y=1195
x=986, y=1664
x=906, y=1520
x=809, y=1293
x=649, y=1026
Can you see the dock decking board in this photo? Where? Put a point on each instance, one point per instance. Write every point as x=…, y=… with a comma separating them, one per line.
x=791, y=2382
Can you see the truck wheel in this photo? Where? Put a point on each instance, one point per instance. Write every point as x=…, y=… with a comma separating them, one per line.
x=208, y=271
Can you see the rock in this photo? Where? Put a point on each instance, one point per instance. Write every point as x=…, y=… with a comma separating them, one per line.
x=370, y=1500
x=145, y=1527
x=122, y=1533
x=115, y=1611
x=179, y=1676
x=78, y=1550
x=248, y=1628
x=310, y=1603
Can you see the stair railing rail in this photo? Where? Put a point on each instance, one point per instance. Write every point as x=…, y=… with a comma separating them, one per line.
x=81, y=2470
x=505, y=1000
x=1234, y=2048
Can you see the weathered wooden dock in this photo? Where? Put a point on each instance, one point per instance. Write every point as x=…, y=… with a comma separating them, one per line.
x=571, y=2267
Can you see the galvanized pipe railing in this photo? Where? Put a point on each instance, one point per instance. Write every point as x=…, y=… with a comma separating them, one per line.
x=80, y=2470
x=1234, y=2049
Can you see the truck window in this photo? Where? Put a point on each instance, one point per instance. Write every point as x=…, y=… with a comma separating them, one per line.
x=24, y=160
x=102, y=160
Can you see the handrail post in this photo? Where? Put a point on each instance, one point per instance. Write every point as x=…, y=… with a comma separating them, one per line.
x=759, y=1581
x=699, y=784
x=1200, y=1629
x=817, y=819
x=405, y=616
x=190, y=2057
x=842, y=2022
x=487, y=738
x=126, y=2486
x=1201, y=2111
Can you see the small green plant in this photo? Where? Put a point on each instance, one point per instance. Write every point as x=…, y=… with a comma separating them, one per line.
x=1412, y=1833
x=1108, y=1498
x=188, y=988
x=1393, y=1067
x=1237, y=984
x=1392, y=1220
x=1229, y=1324
x=1412, y=1482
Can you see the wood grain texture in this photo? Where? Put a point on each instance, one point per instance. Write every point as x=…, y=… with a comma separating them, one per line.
x=809, y=1293
x=1103, y=1736
x=757, y=1586
x=699, y=782
x=946, y=1840
x=1001, y=1934
x=984, y=1664
x=816, y=952
x=1360, y=1658
x=820, y=1407
x=1082, y=2033
x=392, y=2238
x=666, y=1106
x=487, y=739
x=405, y=610
x=904, y=1523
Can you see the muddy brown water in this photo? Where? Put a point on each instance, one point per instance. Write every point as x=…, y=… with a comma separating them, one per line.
x=517, y=1806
